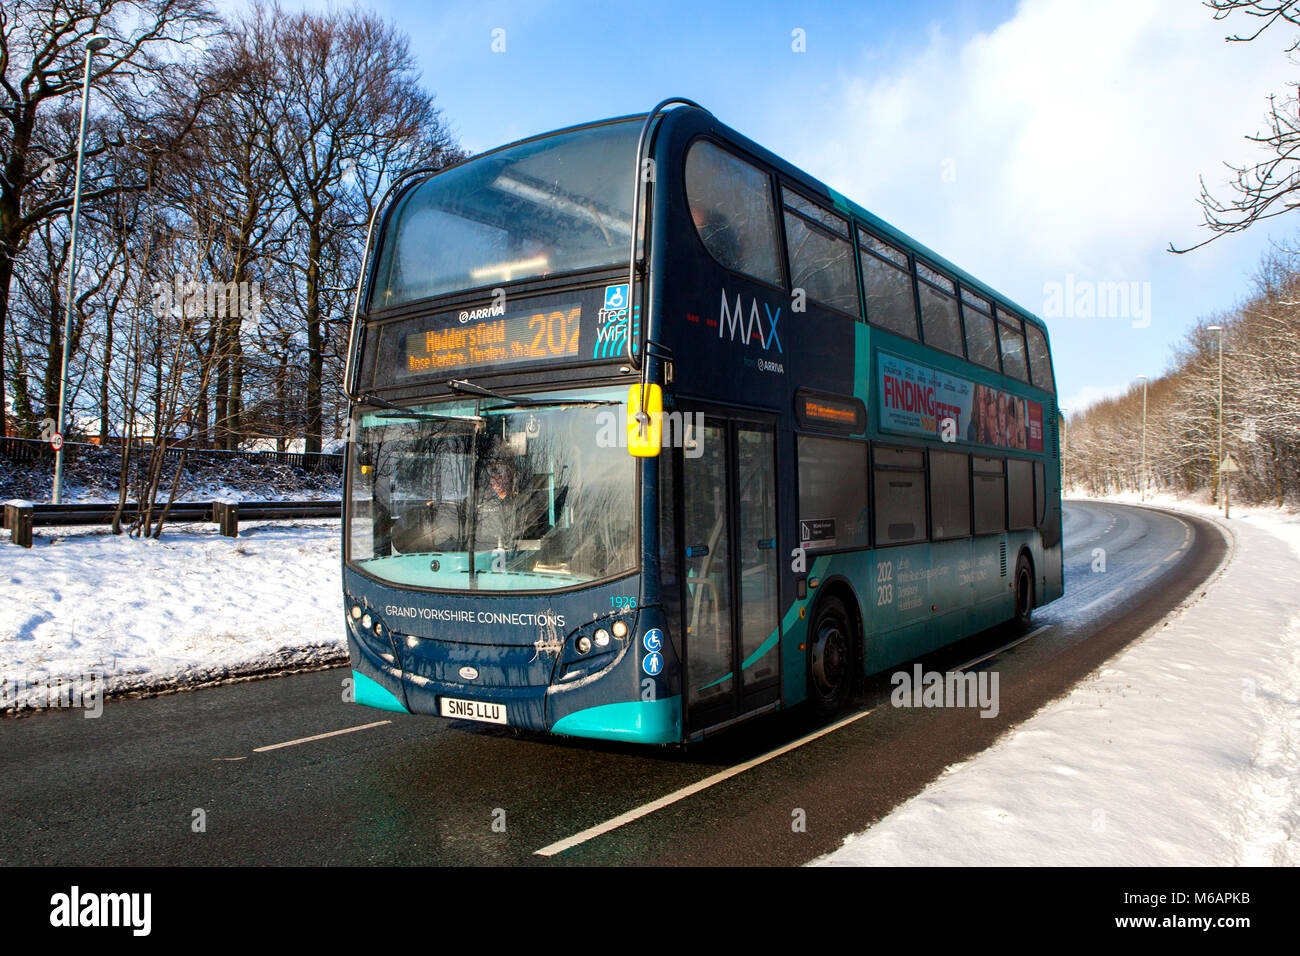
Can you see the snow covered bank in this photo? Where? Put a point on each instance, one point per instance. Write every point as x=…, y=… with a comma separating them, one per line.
x=190, y=608
x=1182, y=750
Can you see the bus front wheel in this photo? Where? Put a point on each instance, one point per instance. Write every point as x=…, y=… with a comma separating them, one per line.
x=1024, y=591
x=830, y=658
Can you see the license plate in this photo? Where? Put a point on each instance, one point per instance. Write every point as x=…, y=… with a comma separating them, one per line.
x=472, y=710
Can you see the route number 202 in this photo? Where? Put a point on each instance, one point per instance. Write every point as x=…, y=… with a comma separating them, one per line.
x=884, y=583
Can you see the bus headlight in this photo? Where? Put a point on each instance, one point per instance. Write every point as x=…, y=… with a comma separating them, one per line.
x=620, y=630
x=583, y=644
x=602, y=638
x=356, y=612
x=366, y=621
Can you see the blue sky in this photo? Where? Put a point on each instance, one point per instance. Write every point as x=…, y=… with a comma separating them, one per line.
x=1041, y=144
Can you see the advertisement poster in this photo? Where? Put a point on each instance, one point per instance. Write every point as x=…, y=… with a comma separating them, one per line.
x=918, y=400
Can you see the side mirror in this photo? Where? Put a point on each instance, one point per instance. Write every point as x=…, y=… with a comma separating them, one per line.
x=645, y=413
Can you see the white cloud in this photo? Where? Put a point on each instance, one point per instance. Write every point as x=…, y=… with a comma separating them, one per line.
x=1077, y=131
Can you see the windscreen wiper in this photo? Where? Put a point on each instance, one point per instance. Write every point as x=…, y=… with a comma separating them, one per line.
x=553, y=402
x=510, y=401
x=469, y=388
x=477, y=420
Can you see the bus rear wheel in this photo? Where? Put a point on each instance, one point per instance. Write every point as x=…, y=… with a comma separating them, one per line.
x=1024, y=591
x=830, y=658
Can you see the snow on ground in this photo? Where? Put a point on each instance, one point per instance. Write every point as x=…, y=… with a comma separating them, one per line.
x=191, y=607
x=1182, y=750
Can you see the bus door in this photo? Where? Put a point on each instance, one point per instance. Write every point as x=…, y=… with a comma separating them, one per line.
x=730, y=572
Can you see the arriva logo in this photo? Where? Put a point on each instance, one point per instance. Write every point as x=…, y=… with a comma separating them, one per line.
x=751, y=331
x=483, y=313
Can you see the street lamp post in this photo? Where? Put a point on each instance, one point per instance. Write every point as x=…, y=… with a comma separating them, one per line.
x=1142, y=477
x=93, y=45
x=1224, y=474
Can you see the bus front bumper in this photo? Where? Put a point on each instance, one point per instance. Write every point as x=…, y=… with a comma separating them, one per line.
x=606, y=696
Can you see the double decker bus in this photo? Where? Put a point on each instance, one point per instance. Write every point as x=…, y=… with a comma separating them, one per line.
x=652, y=433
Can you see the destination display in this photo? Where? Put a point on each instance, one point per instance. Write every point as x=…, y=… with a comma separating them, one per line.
x=918, y=400
x=541, y=336
x=836, y=413
x=569, y=328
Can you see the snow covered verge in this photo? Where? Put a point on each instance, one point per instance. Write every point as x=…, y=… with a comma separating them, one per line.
x=86, y=608
x=1182, y=750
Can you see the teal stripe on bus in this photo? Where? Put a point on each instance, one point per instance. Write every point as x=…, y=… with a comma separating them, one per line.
x=820, y=567
x=635, y=721
x=373, y=694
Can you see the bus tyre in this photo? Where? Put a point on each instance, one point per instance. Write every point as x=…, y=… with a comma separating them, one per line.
x=1024, y=589
x=830, y=658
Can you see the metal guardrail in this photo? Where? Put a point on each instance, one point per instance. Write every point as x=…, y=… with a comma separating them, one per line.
x=33, y=449
x=22, y=518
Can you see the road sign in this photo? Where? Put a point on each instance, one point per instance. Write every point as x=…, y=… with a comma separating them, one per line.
x=56, y=441
x=1229, y=465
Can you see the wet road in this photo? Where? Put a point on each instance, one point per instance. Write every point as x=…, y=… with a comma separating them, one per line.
x=265, y=770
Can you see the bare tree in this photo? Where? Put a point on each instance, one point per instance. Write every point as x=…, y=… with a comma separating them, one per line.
x=342, y=98
x=219, y=154
x=1271, y=186
x=42, y=44
x=1260, y=414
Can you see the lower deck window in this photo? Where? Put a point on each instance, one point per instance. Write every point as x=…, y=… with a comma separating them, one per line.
x=1040, y=494
x=1020, y=494
x=832, y=493
x=949, y=494
x=990, y=495
x=898, y=480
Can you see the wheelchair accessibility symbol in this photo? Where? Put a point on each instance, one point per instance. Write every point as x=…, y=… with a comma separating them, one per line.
x=616, y=298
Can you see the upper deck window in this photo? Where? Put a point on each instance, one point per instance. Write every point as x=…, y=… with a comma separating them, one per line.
x=821, y=258
x=887, y=278
x=552, y=205
x=1040, y=360
x=940, y=324
x=731, y=205
x=1013, y=346
x=981, y=341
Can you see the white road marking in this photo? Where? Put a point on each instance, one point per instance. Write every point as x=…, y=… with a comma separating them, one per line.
x=645, y=810
x=332, y=733
x=984, y=657
x=1177, y=553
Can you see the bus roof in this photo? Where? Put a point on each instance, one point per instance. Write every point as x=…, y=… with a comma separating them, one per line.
x=834, y=197
x=867, y=218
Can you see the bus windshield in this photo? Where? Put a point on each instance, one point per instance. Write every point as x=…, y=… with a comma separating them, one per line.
x=532, y=492
x=557, y=204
